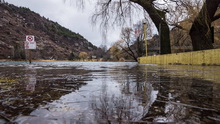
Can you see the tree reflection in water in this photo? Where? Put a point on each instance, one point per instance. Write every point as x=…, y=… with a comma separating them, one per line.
x=129, y=94
x=134, y=101
x=185, y=100
x=114, y=109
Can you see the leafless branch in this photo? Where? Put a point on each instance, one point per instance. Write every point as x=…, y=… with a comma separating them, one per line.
x=216, y=17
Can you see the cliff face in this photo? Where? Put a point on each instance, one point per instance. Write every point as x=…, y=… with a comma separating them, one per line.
x=53, y=40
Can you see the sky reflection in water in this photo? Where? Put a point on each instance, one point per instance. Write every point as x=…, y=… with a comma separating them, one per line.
x=98, y=92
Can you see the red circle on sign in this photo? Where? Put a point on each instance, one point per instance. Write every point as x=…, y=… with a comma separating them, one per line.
x=30, y=38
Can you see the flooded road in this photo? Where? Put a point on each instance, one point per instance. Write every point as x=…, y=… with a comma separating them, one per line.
x=108, y=92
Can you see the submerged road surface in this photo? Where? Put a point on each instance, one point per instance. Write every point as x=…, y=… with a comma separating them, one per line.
x=108, y=92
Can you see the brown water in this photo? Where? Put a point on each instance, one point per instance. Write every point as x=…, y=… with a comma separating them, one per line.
x=111, y=92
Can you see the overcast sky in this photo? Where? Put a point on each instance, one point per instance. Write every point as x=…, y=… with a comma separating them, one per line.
x=71, y=17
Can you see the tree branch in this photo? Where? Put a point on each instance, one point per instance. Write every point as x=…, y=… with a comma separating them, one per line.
x=216, y=17
x=178, y=26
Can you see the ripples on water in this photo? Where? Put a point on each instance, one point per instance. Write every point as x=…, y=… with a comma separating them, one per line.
x=108, y=92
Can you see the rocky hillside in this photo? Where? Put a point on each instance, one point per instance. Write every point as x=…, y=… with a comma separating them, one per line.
x=53, y=40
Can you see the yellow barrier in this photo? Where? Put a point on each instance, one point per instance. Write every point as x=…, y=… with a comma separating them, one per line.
x=204, y=57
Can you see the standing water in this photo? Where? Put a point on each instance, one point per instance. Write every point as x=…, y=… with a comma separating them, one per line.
x=108, y=92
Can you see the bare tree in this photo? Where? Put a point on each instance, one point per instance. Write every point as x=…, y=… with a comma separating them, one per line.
x=181, y=16
x=183, y=11
x=201, y=29
x=121, y=10
x=126, y=42
x=195, y=17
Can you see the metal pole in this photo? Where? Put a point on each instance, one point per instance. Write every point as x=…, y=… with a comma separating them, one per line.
x=160, y=38
x=145, y=37
x=30, y=56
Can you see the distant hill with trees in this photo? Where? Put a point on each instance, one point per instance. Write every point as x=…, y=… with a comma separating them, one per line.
x=53, y=40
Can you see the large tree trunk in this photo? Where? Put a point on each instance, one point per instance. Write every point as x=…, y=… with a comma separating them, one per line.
x=164, y=39
x=200, y=31
x=158, y=20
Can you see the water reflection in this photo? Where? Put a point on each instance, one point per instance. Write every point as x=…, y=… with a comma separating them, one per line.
x=130, y=104
x=30, y=78
x=30, y=86
x=185, y=99
x=90, y=93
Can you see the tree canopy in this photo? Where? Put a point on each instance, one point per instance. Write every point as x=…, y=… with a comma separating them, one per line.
x=164, y=14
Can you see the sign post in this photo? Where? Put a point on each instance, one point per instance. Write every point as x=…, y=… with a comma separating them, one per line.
x=29, y=45
x=30, y=56
x=145, y=37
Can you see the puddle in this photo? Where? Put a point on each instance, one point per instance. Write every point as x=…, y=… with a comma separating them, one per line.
x=98, y=92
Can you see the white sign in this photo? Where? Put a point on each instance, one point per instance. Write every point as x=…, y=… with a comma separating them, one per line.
x=30, y=42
